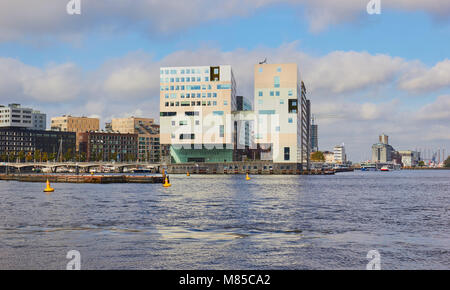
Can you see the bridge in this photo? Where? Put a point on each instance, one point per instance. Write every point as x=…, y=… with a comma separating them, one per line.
x=84, y=166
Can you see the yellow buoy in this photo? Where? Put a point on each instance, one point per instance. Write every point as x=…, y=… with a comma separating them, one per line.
x=187, y=174
x=48, y=188
x=247, y=177
x=166, y=182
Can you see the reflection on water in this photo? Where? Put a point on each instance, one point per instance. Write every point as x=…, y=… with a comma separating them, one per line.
x=226, y=222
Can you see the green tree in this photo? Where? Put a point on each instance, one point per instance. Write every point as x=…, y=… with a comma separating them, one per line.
x=447, y=162
x=52, y=156
x=21, y=156
x=45, y=157
x=317, y=156
x=82, y=157
x=421, y=163
x=68, y=155
x=37, y=155
x=4, y=157
x=12, y=157
x=28, y=157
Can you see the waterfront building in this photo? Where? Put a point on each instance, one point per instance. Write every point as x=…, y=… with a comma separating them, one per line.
x=382, y=152
x=283, y=114
x=196, y=104
x=409, y=158
x=108, y=127
x=68, y=123
x=244, y=140
x=329, y=156
x=314, y=136
x=148, y=147
x=29, y=141
x=340, y=157
x=104, y=146
x=14, y=115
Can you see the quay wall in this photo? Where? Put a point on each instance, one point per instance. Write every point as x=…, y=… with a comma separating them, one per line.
x=100, y=179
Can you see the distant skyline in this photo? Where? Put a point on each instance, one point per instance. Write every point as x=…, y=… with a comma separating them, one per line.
x=365, y=74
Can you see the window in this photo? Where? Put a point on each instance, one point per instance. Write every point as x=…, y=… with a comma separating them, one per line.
x=277, y=93
x=183, y=123
x=266, y=112
x=168, y=114
x=279, y=69
x=224, y=87
x=290, y=120
x=173, y=123
x=260, y=93
x=277, y=128
x=260, y=70
x=218, y=113
x=276, y=82
x=271, y=94
x=192, y=113
x=216, y=70
x=286, y=153
x=187, y=136
x=172, y=136
x=290, y=93
x=225, y=103
x=292, y=106
x=281, y=101
x=260, y=102
x=221, y=130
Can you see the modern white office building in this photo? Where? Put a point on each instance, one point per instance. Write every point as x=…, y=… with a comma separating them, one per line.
x=196, y=105
x=283, y=114
x=340, y=156
x=409, y=158
x=14, y=115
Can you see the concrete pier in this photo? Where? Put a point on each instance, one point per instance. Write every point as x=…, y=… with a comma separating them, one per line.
x=254, y=167
x=100, y=179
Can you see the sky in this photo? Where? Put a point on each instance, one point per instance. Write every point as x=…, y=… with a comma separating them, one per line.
x=366, y=74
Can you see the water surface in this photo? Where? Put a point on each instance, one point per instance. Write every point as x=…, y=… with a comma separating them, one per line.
x=226, y=222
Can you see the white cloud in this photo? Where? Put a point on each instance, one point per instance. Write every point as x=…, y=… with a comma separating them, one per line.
x=341, y=72
x=55, y=83
x=423, y=79
x=437, y=111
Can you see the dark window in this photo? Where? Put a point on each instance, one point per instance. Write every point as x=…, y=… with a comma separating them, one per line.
x=286, y=153
x=293, y=108
x=187, y=136
x=168, y=114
